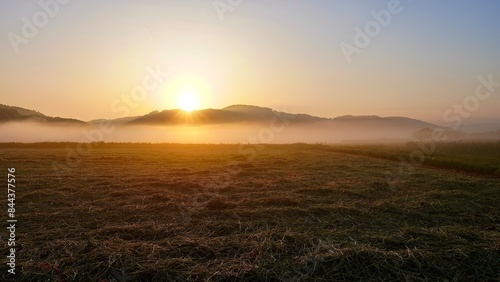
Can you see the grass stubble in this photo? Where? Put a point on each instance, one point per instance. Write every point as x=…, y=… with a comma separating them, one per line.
x=139, y=212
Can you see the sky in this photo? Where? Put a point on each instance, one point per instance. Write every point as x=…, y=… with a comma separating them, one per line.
x=86, y=59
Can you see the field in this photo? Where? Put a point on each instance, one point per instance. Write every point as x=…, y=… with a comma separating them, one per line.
x=170, y=212
x=480, y=158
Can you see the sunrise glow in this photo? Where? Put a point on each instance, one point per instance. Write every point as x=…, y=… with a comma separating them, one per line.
x=188, y=101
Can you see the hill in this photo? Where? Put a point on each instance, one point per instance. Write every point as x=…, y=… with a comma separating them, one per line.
x=233, y=121
x=12, y=113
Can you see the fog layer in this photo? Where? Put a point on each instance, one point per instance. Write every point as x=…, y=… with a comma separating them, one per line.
x=233, y=133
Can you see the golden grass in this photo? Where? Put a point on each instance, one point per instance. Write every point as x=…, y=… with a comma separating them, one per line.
x=139, y=212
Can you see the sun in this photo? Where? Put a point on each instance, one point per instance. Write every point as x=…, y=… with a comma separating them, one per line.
x=186, y=91
x=188, y=101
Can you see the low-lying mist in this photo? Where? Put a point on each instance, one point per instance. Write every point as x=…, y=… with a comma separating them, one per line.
x=226, y=133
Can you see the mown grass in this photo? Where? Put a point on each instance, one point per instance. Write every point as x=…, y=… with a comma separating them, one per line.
x=480, y=157
x=139, y=212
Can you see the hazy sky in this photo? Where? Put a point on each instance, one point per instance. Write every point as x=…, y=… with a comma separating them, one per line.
x=280, y=54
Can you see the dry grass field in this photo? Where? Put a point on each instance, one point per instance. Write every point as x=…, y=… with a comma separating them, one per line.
x=169, y=212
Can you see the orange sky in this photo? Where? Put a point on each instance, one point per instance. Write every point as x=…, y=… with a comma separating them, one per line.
x=287, y=57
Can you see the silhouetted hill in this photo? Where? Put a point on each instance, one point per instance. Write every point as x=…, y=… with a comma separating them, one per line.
x=231, y=114
x=253, y=110
x=355, y=126
x=117, y=121
x=392, y=121
x=11, y=113
x=267, y=114
x=179, y=117
x=244, y=120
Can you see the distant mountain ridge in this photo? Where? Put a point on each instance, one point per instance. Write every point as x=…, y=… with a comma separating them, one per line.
x=231, y=114
x=393, y=120
x=381, y=127
x=12, y=113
